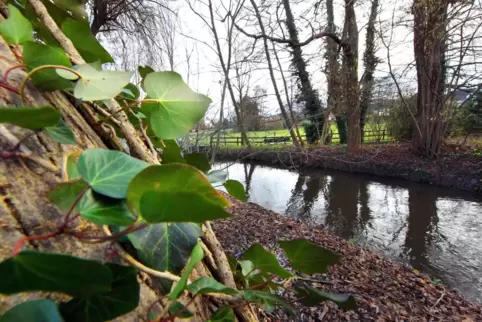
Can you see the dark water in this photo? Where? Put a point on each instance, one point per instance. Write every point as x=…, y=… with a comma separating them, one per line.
x=436, y=230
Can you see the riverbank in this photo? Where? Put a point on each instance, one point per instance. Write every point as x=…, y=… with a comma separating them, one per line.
x=462, y=170
x=385, y=291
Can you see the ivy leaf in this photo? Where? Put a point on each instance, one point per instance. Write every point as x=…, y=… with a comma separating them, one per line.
x=61, y=133
x=35, y=55
x=196, y=257
x=159, y=194
x=265, y=261
x=100, y=85
x=204, y=285
x=179, y=310
x=266, y=299
x=198, y=160
x=165, y=247
x=311, y=296
x=16, y=29
x=65, y=193
x=130, y=92
x=307, y=257
x=76, y=7
x=223, y=314
x=29, y=117
x=177, y=108
x=236, y=189
x=145, y=70
x=171, y=153
x=216, y=176
x=70, y=168
x=121, y=299
x=85, y=42
x=103, y=210
x=33, y=271
x=38, y=310
x=109, y=172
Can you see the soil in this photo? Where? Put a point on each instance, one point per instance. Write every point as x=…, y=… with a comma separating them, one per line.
x=456, y=168
x=384, y=290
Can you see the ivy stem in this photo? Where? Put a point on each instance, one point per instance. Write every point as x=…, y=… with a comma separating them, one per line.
x=71, y=209
x=102, y=239
x=7, y=72
x=23, y=239
x=9, y=87
x=127, y=107
x=33, y=71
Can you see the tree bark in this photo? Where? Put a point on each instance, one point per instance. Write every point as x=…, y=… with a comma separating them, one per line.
x=333, y=75
x=313, y=107
x=350, y=74
x=273, y=79
x=429, y=32
x=26, y=210
x=370, y=61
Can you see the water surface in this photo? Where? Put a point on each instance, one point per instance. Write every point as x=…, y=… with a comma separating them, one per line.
x=436, y=230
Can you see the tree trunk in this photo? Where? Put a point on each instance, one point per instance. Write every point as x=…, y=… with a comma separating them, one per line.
x=273, y=78
x=370, y=61
x=333, y=75
x=313, y=107
x=350, y=74
x=26, y=210
x=429, y=31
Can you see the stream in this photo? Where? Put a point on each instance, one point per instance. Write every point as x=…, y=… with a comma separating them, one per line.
x=436, y=230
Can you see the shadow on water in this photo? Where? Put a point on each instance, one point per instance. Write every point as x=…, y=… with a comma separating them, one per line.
x=437, y=230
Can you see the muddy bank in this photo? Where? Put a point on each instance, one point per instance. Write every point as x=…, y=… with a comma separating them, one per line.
x=458, y=170
x=385, y=291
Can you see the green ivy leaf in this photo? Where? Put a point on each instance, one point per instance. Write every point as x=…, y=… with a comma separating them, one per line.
x=145, y=70
x=33, y=311
x=266, y=299
x=29, y=117
x=204, y=285
x=236, y=189
x=223, y=314
x=171, y=153
x=130, y=92
x=16, y=29
x=121, y=299
x=103, y=210
x=196, y=257
x=311, y=296
x=165, y=247
x=109, y=172
x=217, y=176
x=198, y=160
x=265, y=261
x=85, y=42
x=64, y=194
x=166, y=188
x=71, y=170
x=307, y=257
x=33, y=271
x=35, y=55
x=76, y=7
x=61, y=133
x=100, y=85
x=180, y=311
x=177, y=108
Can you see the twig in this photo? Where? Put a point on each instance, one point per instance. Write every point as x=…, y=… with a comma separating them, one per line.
x=438, y=301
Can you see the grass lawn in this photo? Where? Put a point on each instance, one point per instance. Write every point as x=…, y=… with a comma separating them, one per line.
x=229, y=139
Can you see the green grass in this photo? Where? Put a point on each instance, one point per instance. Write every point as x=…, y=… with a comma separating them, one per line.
x=258, y=136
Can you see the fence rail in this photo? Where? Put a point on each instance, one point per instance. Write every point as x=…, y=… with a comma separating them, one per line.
x=370, y=136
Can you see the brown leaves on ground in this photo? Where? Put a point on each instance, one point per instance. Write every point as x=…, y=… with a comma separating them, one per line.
x=385, y=291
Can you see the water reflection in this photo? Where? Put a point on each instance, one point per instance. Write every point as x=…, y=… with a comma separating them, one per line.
x=434, y=229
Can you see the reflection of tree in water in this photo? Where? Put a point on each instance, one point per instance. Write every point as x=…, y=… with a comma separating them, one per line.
x=301, y=202
x=345, y=194
x=422, y=223
x=248, y=176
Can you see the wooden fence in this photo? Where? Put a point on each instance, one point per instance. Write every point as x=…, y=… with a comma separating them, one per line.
x=371, y=136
